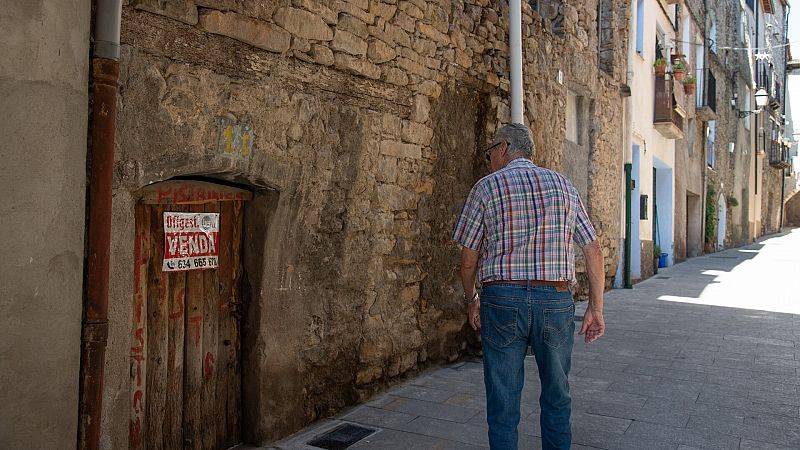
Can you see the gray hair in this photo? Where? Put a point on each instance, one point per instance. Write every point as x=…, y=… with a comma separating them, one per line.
x=519, y=138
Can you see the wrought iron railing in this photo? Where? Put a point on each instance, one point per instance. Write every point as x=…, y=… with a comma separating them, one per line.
x=665, y=116
x=779, y=155
x=707, y=93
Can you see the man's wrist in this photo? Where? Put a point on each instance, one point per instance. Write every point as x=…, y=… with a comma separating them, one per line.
x=472, y=299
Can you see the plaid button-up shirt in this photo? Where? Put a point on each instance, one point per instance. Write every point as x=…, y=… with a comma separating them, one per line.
x=522, y=219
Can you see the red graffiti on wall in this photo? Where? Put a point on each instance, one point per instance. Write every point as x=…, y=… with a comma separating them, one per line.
x=179, y=312
x=184, y=194
x=208, y=365
x=135, y=433
x=196, y=322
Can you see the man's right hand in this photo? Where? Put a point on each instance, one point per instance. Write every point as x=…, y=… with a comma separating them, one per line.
x=474, y=315
x=593, y=326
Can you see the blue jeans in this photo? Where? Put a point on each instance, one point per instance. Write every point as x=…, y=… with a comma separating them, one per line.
x=512, y=318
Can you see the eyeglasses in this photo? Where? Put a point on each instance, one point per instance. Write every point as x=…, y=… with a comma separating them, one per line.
x=488, y=152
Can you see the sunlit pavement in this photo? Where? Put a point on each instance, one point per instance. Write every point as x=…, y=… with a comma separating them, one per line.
x=704, y=355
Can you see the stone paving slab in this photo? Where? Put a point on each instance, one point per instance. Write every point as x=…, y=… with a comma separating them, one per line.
x=704, y=356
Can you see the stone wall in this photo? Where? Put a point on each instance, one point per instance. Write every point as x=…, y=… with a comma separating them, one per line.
x=369, y=120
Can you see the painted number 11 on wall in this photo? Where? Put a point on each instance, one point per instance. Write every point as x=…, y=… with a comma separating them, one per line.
x=191, y=241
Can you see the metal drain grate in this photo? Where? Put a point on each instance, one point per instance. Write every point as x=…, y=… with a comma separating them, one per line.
x=663, y=278
x=578, y=318
x=341, y=437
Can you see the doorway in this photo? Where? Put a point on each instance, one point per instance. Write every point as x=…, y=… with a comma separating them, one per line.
x=186, y=331
x=636, y=244
x=722, y=221
x=663, y=208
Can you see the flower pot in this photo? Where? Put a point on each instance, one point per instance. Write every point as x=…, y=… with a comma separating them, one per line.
x=689, y=88
x=660, y=69
x=662, y=260
x=708, y=247
x=679, y=74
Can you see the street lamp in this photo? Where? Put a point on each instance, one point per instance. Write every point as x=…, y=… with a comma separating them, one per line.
x=762, y=98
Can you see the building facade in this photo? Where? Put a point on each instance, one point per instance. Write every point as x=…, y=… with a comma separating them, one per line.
x=702, y=177
x=346, y=136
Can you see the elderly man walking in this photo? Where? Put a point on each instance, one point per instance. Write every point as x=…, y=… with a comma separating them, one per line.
x=520, y=222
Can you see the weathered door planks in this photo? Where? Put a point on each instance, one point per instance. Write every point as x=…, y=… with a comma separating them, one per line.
x=185, y=351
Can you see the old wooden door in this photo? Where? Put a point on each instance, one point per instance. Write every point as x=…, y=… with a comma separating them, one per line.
x=185, y=346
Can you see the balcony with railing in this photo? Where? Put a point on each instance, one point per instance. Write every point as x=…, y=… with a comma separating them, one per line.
x=666, y=116
x=706, y=95
x=779, y=155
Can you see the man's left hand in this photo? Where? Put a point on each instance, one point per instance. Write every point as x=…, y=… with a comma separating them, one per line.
x=474, y=315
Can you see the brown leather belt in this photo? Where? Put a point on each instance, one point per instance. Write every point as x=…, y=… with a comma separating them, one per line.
x=559, y=285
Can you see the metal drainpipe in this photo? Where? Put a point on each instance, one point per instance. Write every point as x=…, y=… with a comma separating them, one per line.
x=105, y=76
x=783, y=107
x=515, y=54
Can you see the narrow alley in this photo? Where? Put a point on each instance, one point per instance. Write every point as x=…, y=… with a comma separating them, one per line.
x=705, y=354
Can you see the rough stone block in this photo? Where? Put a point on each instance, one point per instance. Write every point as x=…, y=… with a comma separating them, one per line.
x=387, y=170
x=222, y=5
x=400, y=150
x=417, y=133
x=354, y=10
x=363, y=4
x=405, y=22
x=322, y=55
x=301, y=44
x=413, y=68
x=242, y=28
x=382, y=9
x=439, y=18
x=358, y=66
x=303, y=23
x=344, y=41
x=328, y=15
x=431, y=32
x=409, y=296
x=380, y=52
x=389, y=197
x=398, y=35
x=353, y=25
x=412, y=10
x=430, y=88
x=421, y=109
x=395, y=76
x=182, y=10
x=367, y=375
x=391, y=125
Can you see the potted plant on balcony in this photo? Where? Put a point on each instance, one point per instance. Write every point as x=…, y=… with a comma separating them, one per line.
x=732, y=202
x=678, y=70
x=660, y=66
x=689, y=85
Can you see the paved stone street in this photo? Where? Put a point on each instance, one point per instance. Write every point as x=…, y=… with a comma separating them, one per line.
x=704, y=355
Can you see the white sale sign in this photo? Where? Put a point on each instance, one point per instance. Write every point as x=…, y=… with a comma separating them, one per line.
x=191, y=241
